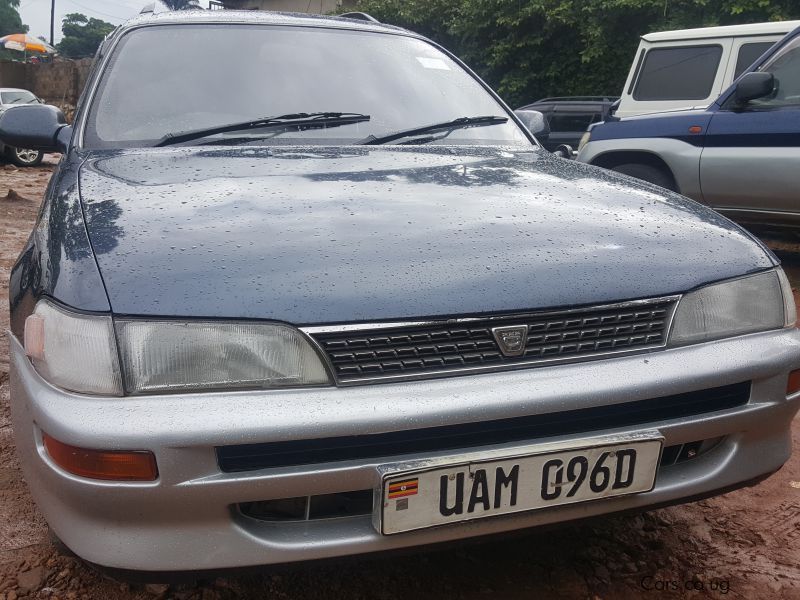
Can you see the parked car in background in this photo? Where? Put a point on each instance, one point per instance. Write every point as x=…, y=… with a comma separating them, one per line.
x=22, y=157
x=689, y=68
x=741, y=155
x=568, y=117
x=239, y=340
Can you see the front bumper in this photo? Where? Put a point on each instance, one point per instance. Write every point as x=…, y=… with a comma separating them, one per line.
x=185, y=520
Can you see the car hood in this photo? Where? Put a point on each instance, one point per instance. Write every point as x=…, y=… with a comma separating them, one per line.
x=310, y=235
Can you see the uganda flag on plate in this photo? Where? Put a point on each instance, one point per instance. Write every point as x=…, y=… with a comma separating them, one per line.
x=401, y=489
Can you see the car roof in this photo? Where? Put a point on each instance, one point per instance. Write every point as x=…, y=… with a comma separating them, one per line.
x=578, y=99
x=773, y=28
x=575, y=102
x=257, y=17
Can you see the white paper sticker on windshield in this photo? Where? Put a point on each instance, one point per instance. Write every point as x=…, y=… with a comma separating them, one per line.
x=433, y=63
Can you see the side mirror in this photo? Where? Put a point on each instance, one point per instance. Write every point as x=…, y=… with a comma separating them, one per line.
x=35, y=126
x=535, y=122
x=754, y=85
x=564, y=151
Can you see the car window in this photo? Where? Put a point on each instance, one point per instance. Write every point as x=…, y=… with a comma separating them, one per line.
x=572, y=121
x=785, y=66
x=678, y=73
x=748, y=53
x=176, y=78
x=18, y=97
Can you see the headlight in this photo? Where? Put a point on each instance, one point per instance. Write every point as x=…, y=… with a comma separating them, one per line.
x=73, y=351
x=80, y=353
x=172, y=356
x=746, y=305
x=584, y=140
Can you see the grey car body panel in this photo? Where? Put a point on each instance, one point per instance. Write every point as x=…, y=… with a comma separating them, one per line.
x=192, y=501
x=720, y=177
x=741, y=144
x=323, y=235
x=682, y=158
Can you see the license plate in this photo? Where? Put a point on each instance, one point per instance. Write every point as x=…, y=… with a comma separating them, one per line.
x=490, y=486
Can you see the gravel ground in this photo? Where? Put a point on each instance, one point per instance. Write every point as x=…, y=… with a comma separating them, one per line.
x=745, y=544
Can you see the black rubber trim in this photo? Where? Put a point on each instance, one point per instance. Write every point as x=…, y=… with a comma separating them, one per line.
x=250, y=457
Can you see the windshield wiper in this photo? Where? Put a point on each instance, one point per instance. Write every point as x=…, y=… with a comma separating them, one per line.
x=460, y=123
x=314, y=120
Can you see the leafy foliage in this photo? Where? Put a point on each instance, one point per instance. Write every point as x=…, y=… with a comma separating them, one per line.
x=528, y=49
x=82, y=35
x=10, y=21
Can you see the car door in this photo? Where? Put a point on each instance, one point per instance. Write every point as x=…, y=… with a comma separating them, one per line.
x=751, y=157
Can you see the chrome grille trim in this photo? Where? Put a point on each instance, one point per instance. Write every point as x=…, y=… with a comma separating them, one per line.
x=554, y=337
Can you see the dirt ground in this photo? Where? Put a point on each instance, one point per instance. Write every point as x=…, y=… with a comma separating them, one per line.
x=745, y=544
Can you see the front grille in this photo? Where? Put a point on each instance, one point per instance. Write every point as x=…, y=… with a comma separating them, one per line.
x=250, y=457
x=398, y=351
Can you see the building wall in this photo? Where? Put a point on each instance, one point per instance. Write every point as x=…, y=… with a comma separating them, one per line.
x=303, y=6
x=59, y=82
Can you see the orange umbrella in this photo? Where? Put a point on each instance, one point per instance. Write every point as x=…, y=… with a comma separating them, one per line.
x=25, y=43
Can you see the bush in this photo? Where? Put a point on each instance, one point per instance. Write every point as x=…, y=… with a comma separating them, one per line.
x=529, y=49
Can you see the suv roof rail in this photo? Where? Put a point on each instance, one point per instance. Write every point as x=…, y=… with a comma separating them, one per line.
x=361, y=16
x=580, y=99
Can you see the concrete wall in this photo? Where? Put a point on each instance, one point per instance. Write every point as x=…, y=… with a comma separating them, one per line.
x=58, y=82
x=303, y=6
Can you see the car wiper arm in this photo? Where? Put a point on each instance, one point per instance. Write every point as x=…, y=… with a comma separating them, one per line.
x=460, y=123
x=297, y=120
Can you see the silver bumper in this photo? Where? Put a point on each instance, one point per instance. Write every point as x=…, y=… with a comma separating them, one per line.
x=185, y=521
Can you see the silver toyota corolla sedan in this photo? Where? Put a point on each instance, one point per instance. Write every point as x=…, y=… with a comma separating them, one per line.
x=308, y=288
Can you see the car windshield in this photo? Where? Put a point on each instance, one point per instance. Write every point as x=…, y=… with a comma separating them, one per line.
x=17, y=97
x=177, y=78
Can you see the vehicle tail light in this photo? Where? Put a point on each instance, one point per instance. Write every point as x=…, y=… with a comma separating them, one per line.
x=109, y=465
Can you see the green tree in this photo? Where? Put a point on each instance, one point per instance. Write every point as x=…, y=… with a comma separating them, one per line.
x=528, y=49
x=82, y=35
x=10, y=21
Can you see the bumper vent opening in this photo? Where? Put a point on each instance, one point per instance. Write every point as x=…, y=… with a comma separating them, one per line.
x=310, y=508
x=672, y=455
x=360, y=502
x=251, y=457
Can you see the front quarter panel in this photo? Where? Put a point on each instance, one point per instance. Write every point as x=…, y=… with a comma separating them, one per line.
x=57, y=260
x=682, y=159
x=666, y=136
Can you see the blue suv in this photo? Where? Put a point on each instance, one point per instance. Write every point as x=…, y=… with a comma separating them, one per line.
x=740, y=155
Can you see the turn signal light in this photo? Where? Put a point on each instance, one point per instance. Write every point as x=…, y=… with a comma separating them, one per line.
x=793, y=385
x=110, y=465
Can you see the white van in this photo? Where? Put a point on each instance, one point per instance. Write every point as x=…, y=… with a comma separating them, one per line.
x=690, y=67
